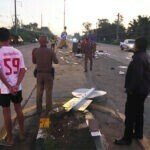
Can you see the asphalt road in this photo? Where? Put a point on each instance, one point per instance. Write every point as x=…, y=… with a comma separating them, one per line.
x=115, y=53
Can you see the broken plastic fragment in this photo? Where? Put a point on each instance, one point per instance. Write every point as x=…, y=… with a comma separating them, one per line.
x=121, y=72
x=122, y=67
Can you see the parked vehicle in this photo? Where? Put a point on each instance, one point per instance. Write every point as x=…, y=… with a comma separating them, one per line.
x=128, y=45
x=17, y=40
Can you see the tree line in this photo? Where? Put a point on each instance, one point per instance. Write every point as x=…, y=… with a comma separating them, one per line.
x=30, y=32
x=115, y=32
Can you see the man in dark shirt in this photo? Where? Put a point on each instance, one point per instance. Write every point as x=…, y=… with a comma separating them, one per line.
x=88, y=51
x=44, y=57
x=137, y=85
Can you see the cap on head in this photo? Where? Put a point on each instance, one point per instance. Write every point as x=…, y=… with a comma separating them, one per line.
x=43, y=39
x=141, y=44
x=4, y=35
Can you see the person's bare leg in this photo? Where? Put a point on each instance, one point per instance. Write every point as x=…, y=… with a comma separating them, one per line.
x=20, y=118
x=8, y=124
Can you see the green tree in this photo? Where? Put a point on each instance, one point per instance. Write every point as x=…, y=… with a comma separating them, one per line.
x=87, y=26
x=139, y=27
x=77, y=35
x=107, y=31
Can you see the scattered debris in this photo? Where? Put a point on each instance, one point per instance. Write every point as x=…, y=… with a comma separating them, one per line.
x=70, y=104
x=41, y=134
x=128, y=58
x=121, y=72
x=81, y=92
x=101, y=53
x=112, y=68
x=122, y=67
x=68, y=62
x=83, y=105
x=99, y=75
x=77, y=103
x=79, y=55
x=62, y=58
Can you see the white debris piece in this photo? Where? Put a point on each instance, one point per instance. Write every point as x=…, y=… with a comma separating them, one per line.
x=96, y=133
x=40, y=134
x=68, y=62
x=122, y=67
x=101, y=53
x=128, y=58
x=81, y=92
x=121, y=72
x=62, y=58
x=79, y=55
x=82, y=99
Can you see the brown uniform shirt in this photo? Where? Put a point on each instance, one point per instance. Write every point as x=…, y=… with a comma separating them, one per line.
x=43, y=57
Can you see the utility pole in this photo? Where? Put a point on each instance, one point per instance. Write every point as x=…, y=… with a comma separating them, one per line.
x=15, y=17
x=64, y=13
x=117, y=29
x=119, y=20
x=41, y=20
x=97, y=27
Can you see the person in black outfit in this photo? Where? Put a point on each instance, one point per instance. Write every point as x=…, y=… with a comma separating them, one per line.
x=137, y=85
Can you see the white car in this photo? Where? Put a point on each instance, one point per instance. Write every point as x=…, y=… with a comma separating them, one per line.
x=128, y=45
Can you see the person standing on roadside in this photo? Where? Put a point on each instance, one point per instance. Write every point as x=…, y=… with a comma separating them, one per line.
x=94, y=48
x=12, y=71
x=44, y=57
x=93, y=40
x=79, y=47
x=137, y=86
x=88, y=51
x=53, y=42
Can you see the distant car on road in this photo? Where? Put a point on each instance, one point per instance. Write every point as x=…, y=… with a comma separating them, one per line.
x=35, y=40
x=128, y=44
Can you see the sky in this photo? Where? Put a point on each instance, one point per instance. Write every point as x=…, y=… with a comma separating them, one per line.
x=77, y=12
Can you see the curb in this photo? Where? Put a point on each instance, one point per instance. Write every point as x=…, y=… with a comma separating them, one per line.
x=144, y=143
x=99, y=139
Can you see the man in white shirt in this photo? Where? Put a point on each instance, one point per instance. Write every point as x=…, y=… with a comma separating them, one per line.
x=12, y=71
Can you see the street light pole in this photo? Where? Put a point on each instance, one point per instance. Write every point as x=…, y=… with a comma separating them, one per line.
x=15, y=17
